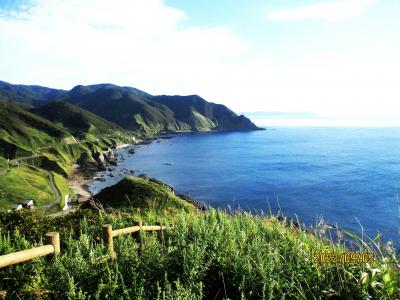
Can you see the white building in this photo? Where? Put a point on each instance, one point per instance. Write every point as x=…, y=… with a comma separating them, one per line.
x=17, y=206
x=27, y=203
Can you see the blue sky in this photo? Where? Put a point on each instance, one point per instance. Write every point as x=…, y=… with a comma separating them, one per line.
x=331, y=57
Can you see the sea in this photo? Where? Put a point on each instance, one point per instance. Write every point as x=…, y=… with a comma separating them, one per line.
x=349, y=177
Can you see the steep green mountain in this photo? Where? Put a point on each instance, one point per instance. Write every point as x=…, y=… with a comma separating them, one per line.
x=76, y=120
x=35, y=95
x=153, y=114
x=129, y=110
x=31, y=95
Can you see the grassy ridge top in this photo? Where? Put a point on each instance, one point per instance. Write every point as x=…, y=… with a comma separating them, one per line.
x=76, y=120
x=30, y=95
x=140, y=193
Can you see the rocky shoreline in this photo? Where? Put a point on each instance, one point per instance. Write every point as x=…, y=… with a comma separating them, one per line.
x=83, y=175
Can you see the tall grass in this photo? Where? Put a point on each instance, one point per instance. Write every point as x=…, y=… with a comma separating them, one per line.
x=206, y=256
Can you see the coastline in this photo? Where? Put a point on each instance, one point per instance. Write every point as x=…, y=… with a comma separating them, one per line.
x=81, y=177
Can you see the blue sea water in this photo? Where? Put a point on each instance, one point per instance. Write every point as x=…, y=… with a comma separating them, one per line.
x=347, y=176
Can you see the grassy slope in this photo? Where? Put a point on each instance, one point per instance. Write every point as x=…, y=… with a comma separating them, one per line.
x=76, y=120
x=210, y=256
x=63, y=187
x=24, y=134
x=25, y=183
x=140, y=193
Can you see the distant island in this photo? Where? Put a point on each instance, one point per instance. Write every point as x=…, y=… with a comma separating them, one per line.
x=282, y=115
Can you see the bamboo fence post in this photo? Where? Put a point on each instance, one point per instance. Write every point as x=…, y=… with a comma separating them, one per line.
x=139, y=235
x=161, y=231
x=108, y=239
x=53, y=238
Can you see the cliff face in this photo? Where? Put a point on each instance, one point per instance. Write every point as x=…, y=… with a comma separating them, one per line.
x=202, y=115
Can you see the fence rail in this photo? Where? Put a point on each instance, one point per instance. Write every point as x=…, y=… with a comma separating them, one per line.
x=52, y=247
x=53, y=243
x=109, y=233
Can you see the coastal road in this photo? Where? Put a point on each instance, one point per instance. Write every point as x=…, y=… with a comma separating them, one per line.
x=55, y=190
x=15, y=162
x=4, y=171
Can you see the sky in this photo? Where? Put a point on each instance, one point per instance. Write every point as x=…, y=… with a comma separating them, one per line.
x=336, y=58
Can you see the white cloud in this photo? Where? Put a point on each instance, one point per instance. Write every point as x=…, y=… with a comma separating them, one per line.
x=329, y=11
x=132, y=42
x=146, y=44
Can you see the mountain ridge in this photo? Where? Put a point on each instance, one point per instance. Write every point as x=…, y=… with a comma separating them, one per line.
x=134, y=109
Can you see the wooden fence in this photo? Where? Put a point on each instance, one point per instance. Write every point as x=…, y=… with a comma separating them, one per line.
x=53, y=243
x=52, y=247
x=109, y=234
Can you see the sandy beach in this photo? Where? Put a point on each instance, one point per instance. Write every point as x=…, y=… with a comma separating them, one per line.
x=79, y=180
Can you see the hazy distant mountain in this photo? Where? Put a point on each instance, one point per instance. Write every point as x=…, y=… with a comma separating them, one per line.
x=282, y=115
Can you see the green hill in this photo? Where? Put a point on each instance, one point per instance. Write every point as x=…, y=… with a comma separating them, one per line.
x=40, y=151
x=75, y=119
x=31, y=95
x=153, y=114
x=129, y=110
x=133, y=192
x=22, y=132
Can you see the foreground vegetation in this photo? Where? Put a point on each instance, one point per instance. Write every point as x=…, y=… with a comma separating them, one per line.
x=211, y=255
